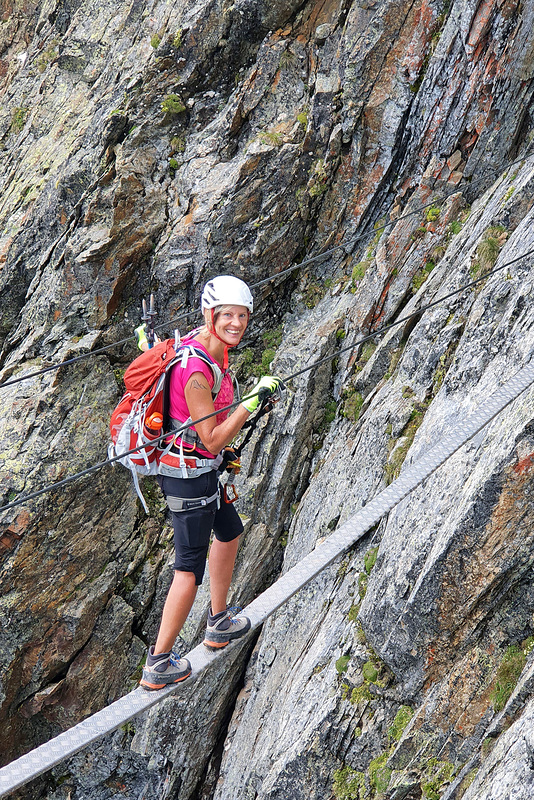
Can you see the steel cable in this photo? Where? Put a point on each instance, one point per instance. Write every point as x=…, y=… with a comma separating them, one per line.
x=60, y=484
x=273, y=277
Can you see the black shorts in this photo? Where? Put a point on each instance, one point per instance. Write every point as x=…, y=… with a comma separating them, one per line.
x=192, y=529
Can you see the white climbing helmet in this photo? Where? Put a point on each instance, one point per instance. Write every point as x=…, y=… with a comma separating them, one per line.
x=225, y=290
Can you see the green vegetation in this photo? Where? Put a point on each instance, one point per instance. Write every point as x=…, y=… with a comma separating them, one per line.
x=272, y=137
x=359, y=271
x=370, y=672
x=488, y=250
x=251, y=364
x=509, y=671
x=361, y=694
x=18, y=118
x=178, y=144
x=155, y=41
x=419, y=233
x=363, y=580
x=302, y=118
x=402, y=718
x=400, y=451
x=466, y=783
x=342, y=664
x=420, y=277
x=172, y=104
x=173, y=164
x=437, y=775
x=508, y=195
x=432, y=213
x=47, y=56
x=317, y=183
x=379, y=773
x=287, y=59
x=349, y=784
x=177, y=41
x=352, y=404
x=369, y=559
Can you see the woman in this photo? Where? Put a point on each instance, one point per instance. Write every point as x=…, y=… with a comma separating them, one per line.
x=189, y=478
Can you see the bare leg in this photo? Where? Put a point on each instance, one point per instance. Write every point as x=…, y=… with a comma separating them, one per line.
x=221, y=567
x=177, y=606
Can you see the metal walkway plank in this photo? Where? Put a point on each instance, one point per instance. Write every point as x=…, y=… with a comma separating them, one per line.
x=49, y=754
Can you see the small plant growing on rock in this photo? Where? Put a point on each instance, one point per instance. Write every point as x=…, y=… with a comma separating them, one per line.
x=369, y=559
x=155, y=41
x=172, y=104
x=402, y=718
x=18, y=119
x=379, y=773
x=177, y=41
x=318, y=179
x=420, y=277
x=178, y=144
x=432, y=213
x=272, y=137
x=302, y=118
x=349, y=784
x=359, y=271
x=488, y=250
x=342, y=664
x=352, y=404
x=508, y=673
x=287, y=59
x=439, y=774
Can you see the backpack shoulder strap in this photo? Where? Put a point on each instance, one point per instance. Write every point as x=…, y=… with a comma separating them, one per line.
x=181, y=358
x=188, y=350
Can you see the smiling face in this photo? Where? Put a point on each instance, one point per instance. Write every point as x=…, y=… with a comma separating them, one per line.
x=230, y=323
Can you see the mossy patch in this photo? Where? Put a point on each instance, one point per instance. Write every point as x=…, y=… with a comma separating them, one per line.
x=402, y=718
x=369, y=559
x=349, y=784
x=437, y=775
x=18, y=119
x=172, y=104
x=508, y=672
x=342, y=664
x=379, y=773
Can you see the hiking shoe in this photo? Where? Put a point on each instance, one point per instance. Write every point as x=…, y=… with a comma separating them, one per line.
x=224, y=627
x=163, y=669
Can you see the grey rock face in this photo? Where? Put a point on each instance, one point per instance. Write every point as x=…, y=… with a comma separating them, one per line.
x=146, y=148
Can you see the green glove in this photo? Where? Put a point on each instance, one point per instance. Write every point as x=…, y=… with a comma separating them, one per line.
x=140, y=332
x=264, y=388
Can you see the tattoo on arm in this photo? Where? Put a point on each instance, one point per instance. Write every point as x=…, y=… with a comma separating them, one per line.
x=197, y=385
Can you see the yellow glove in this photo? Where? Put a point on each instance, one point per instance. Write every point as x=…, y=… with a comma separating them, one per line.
x=142, y=341
x=265, y=387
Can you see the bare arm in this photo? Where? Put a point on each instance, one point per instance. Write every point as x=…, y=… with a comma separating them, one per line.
x=200, y=403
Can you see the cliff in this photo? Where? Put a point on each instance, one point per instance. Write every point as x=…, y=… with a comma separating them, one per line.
x=147, y=147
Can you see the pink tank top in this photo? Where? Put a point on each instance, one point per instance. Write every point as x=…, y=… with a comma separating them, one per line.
x=180, y=375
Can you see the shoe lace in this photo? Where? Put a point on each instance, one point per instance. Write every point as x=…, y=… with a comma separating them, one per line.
x=232, y=611
x=174, y=658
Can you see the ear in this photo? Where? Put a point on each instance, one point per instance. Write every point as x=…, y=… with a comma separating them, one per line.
x=208, y=318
